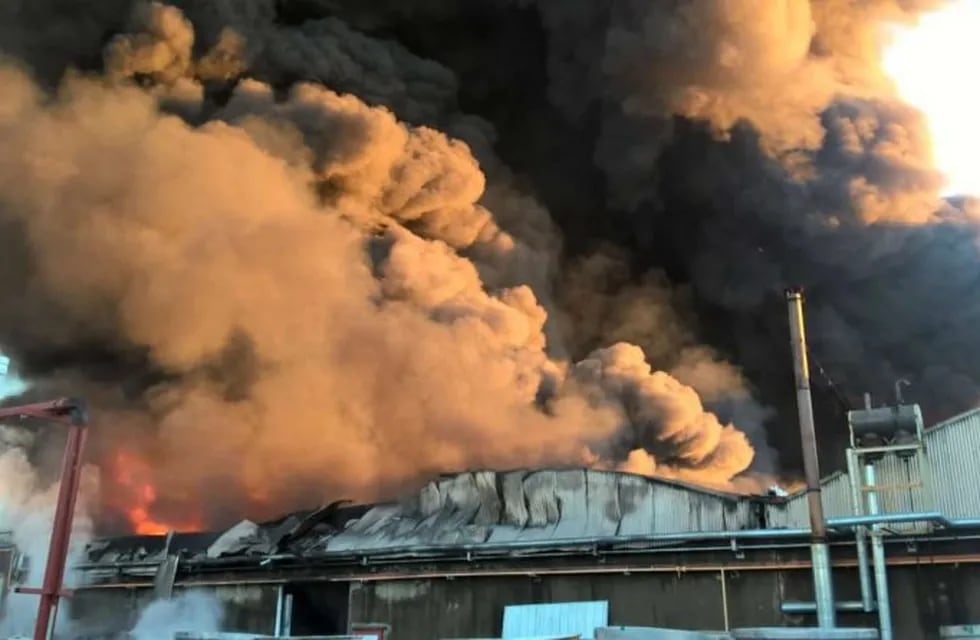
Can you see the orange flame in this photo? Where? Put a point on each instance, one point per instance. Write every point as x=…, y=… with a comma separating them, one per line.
x=136, y=496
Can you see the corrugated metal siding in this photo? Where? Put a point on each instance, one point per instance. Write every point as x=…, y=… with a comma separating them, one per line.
x=953, y=450
x=952, y=463
x=552, y=505
x=559, y=619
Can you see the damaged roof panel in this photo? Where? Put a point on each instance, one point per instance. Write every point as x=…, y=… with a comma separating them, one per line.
x=518, y=506
x=480, y=509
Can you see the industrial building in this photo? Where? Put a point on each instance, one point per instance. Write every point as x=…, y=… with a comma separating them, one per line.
x=447, y=563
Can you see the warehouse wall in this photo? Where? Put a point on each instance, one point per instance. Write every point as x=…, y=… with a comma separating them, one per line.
x=98, y=612
x=101, y=611
x=923, y=598
x=6, y=569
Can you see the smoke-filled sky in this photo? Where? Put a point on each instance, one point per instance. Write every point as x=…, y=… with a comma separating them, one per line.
x=296, y=250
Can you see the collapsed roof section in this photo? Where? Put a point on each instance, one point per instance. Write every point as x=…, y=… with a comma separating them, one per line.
x=478, y=510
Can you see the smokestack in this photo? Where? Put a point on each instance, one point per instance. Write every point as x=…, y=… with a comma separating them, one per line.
x=822, y=583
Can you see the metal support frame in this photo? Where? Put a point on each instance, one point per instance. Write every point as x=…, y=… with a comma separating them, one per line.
x=878, y=559
x=865, y=500
x=861, y=535
x=820, y=551
x=71, y=413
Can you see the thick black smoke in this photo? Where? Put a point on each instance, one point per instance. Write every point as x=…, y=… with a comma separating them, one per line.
x=693, y=158
x=738, y=147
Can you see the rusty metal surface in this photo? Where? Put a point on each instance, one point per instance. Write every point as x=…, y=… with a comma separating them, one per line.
x=808, y=436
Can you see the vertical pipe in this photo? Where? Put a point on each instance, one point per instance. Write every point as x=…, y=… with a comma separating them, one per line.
x=287, y=616
x=878, y=556
x=861, y=533
x=60, y=532
x=277, y=625
x=724, y=598
x=822, y=579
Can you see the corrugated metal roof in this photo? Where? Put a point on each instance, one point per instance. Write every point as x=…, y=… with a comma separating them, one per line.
x=479, y=508
x=486, y=507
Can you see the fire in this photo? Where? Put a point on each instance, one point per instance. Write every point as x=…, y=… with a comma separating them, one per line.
x=135, y=497
x=933, y=66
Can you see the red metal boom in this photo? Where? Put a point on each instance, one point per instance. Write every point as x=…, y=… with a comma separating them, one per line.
x=72, y=413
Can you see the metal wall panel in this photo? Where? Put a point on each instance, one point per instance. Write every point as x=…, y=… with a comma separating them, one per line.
x=952, y=462
x=953, y=450
x=559, y=619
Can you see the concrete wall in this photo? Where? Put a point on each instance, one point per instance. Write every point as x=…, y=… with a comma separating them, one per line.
x=924, y=598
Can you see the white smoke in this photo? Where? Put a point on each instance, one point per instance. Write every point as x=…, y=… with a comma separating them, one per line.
x=27, y=504
x=194, y=611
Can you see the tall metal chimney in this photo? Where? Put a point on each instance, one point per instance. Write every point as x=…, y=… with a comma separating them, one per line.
x=820, y=552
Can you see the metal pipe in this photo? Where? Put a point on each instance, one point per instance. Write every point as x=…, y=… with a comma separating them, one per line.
x=847, y=522
x=287, y=616
x=878, y=557
x=530, y=545
x=69, y=410
x=553, y=543
x=54, y=573
x=318, y=560
x=822, y=578
x=280, y=597
x=861, y=537
x=724, y=597
x=433, y=573
x=811, y=607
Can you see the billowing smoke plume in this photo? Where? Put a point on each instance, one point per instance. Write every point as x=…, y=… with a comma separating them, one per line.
x=314, y=293
x=300, y=249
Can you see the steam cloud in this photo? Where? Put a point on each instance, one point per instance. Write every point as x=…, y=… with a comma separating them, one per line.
x=193, y=611
x=27, y=504
x=282, y=260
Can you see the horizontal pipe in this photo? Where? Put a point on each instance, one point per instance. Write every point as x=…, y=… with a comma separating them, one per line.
x=811, y=607
x=148, y=567
x=847, y=522
x=793, y=565
x=696, y=536
x=962, y=523
x=488, y=548
x=844, y=522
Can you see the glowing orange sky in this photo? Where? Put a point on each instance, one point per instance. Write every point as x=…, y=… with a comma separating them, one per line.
x=934, y=65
